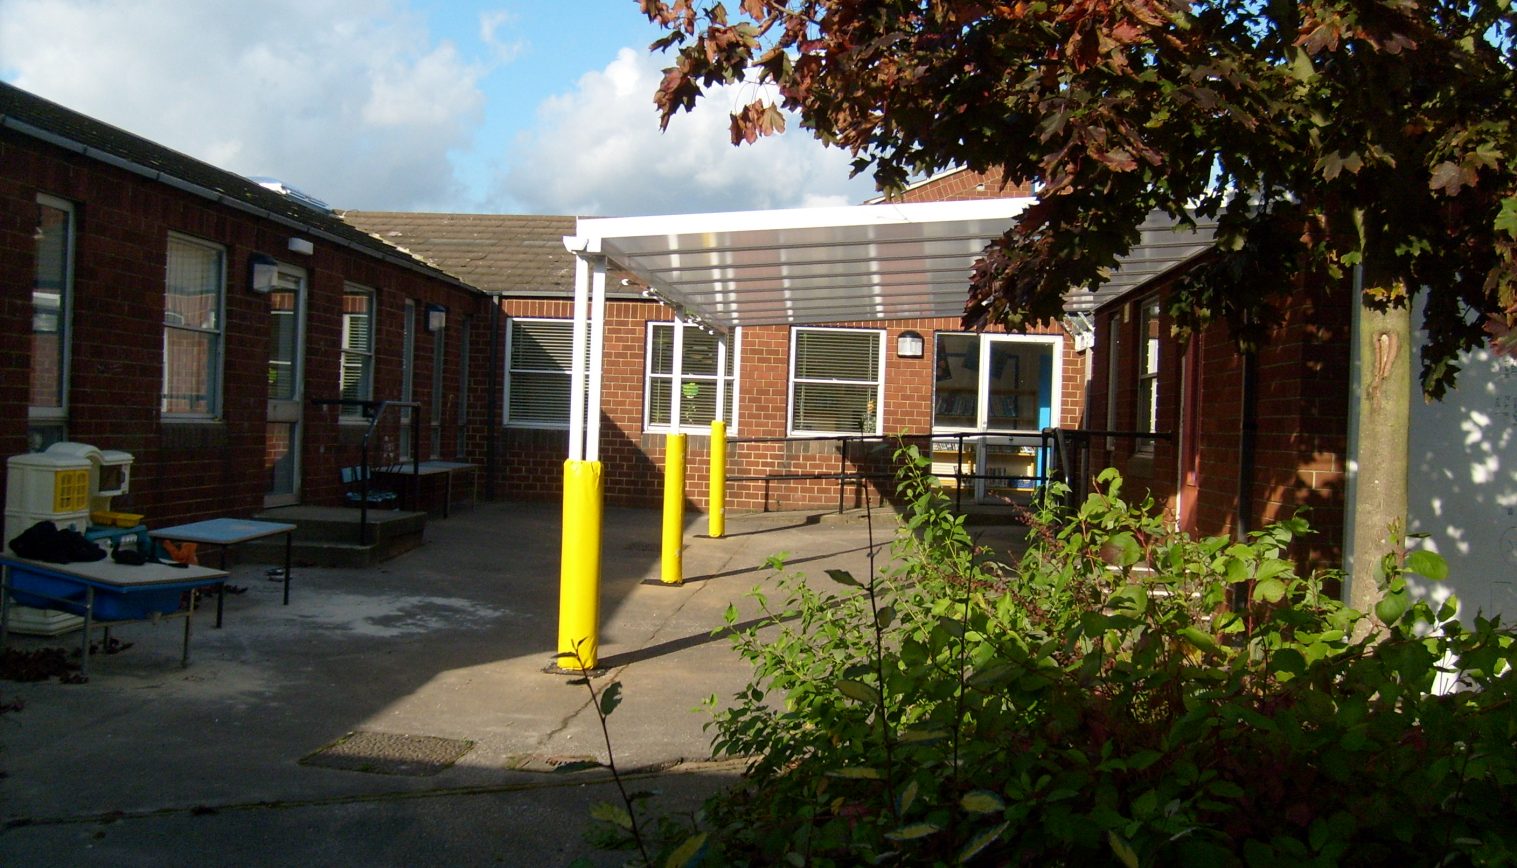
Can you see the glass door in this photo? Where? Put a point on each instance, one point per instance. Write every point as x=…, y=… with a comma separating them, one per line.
x=999, y=391
x=281, y=462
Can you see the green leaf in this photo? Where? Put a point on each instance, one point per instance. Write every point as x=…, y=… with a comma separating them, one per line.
x=858, y=773
x=1121, y=849
x=1269, y=590
x=610, y=697
x=843, y=577
x=859, y=691
x=1429, y=564
x=982, y=802
x=913, y=831
x=614, y=814
x=1506, y=221
x=1126, y=547
x=1392, y=606
x=1199, y=638
x=981, y=841
x=687, y=853
x=908, y=795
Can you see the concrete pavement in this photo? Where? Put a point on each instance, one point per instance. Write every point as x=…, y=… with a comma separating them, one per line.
x=152, y=764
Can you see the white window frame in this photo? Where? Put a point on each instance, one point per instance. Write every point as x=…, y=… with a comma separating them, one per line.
x=728, y=354
x=568, y=325
x=215, y=367
x=1146, y=396
x=790, y=391
x=354, y=415
x=58, y=415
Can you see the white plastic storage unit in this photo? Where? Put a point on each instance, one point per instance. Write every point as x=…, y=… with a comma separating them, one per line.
x=45, y=486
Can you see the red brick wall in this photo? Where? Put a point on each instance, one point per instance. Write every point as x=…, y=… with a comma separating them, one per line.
x=532, y=464
x=190, y=469
x=1302, y=419
x=960, y=185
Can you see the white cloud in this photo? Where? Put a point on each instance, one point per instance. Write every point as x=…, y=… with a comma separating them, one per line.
x=597, y=150
x=490, y=24
x=346, y=99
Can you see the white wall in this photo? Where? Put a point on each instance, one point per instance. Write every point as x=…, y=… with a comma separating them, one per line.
x=1462, y=481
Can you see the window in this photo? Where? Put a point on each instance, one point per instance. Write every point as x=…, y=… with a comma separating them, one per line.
x=357, y=347
x=539, y=356
x=688, y=368
x=835, y=380
x=192, y=326
x=52, y=304
x=1148, y=370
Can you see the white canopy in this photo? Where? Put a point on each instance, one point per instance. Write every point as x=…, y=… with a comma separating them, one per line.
x=856, y=263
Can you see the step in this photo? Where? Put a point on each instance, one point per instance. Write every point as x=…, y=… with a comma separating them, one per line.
x=329, y=536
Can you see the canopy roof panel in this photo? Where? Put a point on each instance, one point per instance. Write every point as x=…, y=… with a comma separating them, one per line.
x=818, y=265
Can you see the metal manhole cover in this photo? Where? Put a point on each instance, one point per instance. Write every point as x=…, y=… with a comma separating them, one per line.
x=386, y=753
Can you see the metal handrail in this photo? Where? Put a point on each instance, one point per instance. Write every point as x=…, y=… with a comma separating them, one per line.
x=374, y=411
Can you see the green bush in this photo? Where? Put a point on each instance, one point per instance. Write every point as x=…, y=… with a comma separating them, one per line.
x=1124, y=694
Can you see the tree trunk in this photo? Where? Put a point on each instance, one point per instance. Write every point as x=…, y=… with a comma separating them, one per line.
x=1380, y=449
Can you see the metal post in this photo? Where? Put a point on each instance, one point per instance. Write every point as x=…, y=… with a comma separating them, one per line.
x=716, y=517
x=579, y=581
x=672, y=563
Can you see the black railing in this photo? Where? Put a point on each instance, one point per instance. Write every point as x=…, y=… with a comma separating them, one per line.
x=857, y=476
x=1070, y=451
x=374, y=411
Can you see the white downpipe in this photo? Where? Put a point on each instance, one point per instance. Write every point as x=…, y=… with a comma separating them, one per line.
x=597, y=328
x=577, y=364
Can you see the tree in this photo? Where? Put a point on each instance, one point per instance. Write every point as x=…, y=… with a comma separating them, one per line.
x=1366, y=143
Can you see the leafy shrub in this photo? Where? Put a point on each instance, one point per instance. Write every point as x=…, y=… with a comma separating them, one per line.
x=1125, y=694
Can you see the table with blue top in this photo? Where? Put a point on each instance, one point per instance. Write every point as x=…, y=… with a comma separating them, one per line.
x=103, y=593
x=227, y=532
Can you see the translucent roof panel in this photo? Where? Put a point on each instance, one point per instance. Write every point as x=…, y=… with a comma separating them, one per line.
x=817, y=265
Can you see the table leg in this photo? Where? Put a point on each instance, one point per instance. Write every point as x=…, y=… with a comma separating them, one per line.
x=5, y=605
x=189, y=615
x=288, y=537
x=89, y=614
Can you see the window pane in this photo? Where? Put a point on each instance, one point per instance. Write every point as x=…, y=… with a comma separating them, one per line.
x=661, y=350
x=49, y=306
x=283, y=327
x=660, y=401
x=542, y=346
x=834, y=407
x=837, y=355
x=194, y=286
x=188, y=370
x=538, y=373
x=700, y=353
x=357, y=348
x=192, y=322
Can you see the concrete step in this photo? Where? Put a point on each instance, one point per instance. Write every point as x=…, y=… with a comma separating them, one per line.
x=329, y=536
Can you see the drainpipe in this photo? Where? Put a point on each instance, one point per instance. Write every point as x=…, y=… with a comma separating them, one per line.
x=1248, y=434
x=492, y=408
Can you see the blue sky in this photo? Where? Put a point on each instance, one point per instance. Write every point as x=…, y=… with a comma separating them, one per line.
x=472, y=105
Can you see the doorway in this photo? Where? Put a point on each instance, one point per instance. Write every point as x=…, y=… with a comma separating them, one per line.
x=1000, y=391
x=281, y=453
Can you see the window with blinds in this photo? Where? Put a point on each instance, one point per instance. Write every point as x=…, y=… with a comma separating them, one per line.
x=539, y=361
x=689, y=380
x=835, y=381
x=194, y=284
x=357, y=365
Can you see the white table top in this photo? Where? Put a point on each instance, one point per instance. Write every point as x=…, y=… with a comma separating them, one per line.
x=221, y=531
x=108, y=573
x=429, y=467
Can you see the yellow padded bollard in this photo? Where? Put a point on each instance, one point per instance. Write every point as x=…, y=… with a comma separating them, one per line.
x=672, y=564
x=716, y=517
x=579, y=576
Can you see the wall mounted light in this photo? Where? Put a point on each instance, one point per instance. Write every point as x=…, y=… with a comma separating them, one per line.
x=437, y=317
x=263, y=271
x=909, y=345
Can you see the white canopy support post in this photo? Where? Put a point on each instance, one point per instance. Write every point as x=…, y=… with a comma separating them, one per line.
x=597, y=367
x=581, y=326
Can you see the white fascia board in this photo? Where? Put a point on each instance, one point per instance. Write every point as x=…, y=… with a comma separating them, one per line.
x=801, y=218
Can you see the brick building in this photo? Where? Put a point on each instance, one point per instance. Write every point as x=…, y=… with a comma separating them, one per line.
x=189, y=316
x=790, y=392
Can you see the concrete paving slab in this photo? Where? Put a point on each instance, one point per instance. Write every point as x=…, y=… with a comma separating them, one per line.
x=152, y=764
